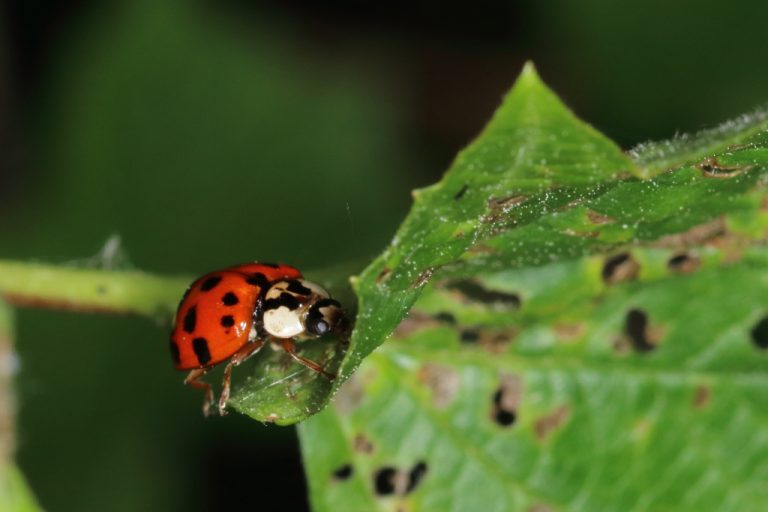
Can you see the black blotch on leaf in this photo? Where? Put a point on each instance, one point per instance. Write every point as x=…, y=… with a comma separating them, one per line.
x=469, y=336
x=683, y=263
x=621, y=267
x=415, y=476
x=210, y=283
x=760, y=333
x=502, y=416
x=473, y=291
x=446, y=318
x=636, y=327
x=384, y=481
x=461, y=192
x=343, y=472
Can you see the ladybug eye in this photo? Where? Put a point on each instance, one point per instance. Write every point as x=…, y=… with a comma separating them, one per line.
x=317, y=326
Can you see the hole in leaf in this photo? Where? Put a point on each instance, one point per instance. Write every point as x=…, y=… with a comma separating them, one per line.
x=619, y=268
x=636, y=327
x=760, y=333
x=415, y=476
x=506, y=400
x=343, y=473
x=473, y=291
x=384, y=481
x=461, y=192
x=683, y=263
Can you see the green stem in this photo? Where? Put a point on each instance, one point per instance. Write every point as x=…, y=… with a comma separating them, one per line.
x=93, y=290
x=7, y=408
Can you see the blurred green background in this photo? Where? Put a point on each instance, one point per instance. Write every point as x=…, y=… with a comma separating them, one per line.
x=210, y=133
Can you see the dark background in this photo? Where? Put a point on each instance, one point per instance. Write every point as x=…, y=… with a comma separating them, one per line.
x=209, y=133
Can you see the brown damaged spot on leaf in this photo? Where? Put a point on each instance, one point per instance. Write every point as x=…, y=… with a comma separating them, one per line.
x=424, y=277
x=701, y=396
x=442, y=381
x=580, y=234
x=620, y=268
x=362, y=444
x=383, y=275
x=711, y=168
x=683, y=263
x=500, y=207
x=569, y=332
x=697, y=235
x=598, y=218
x=540, y=507
x=350, y=395
x=414, y=322
x=507, y=399
x=483, y=249
x=545, y=425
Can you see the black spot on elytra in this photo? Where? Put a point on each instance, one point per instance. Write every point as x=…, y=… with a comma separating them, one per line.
x=295, y=286
x=620, y=267
x=415, y=476
x=227, y=321
x=175, y=352
x=343, y=472
x=446, y=318
x=473, y=291
x=190, y=319
x=501, y=415
x=210, y=283
x=461, y=192
x=258, y=279
x=230, y=299
x=384, y=481
x=760, y=333
x=469, y=336
x=636, y=327
x=200, y=347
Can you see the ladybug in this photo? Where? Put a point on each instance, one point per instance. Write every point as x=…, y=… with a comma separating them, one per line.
x=229, y=314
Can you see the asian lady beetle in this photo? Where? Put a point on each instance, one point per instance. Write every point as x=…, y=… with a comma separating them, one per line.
x=229, y=314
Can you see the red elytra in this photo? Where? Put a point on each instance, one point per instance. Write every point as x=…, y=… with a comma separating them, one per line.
x=220, y=318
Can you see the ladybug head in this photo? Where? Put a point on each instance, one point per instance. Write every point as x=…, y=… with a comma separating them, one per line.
x=297, y=307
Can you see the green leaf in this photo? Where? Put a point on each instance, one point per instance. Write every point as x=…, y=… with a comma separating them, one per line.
x=534, y=144
x=15, y=495
x=589, y=340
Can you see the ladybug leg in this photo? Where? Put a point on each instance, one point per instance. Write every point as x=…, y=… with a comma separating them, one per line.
x=290, y=347
x=238, y=357
x=193, y=380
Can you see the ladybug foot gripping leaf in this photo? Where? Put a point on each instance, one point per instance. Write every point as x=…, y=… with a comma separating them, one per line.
x=229, y=314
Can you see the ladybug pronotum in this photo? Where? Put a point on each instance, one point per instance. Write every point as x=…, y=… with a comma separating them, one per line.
x=230, y=314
